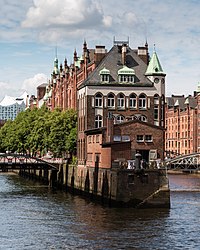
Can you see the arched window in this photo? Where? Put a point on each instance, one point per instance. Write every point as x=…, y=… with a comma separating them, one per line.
x=132, y=101
x=156, y=99
x=98, y=121
x=120, y=101
x=98, y=100
x=142, y=101
x=142, y=118
x=111, y=101
x=119, y=119
x=134, y=118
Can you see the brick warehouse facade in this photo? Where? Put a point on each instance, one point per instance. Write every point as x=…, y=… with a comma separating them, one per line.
x=182, y=134
x=119, y=96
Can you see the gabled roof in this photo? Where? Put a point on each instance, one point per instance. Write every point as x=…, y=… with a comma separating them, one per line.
x=154, y=66
x=181, y=102
x=113, y=62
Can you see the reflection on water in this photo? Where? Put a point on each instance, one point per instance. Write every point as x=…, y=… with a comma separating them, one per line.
x=35, y=217
x=184, y=182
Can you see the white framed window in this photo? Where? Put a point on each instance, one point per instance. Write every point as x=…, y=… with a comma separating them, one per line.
x=142, y=118
x=105, y=78
x=156, y=112
x=111, y=101
x=132, y=101
x=126, y=138
x=156, y=99
x=105, y=75
x=142, y=101
x=119, y=119
x=120, y=101
x=148, y=138
x=98, y=100
x=140, y=138
x=126, y=78
x=98, y=121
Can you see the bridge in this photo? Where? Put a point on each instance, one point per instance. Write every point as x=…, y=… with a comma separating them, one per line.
x=12, y=161
x=188, y=162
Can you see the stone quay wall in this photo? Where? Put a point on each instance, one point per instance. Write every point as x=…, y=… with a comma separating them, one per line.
x=116, y=187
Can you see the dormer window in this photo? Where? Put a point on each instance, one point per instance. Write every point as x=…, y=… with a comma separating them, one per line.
x=105, y=75
x=126, y=75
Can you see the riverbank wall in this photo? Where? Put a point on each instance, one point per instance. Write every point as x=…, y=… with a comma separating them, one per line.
x=143, y=188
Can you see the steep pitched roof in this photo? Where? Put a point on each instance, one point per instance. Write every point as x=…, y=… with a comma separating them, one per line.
x=154, y=66
x=113, y=62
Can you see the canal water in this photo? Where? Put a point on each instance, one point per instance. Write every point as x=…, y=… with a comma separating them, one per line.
x=35, y=217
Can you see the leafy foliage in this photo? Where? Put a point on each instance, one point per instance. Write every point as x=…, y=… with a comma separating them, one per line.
x=38, y=131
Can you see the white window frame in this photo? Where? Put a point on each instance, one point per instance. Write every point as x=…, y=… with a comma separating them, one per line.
x=156, y=112
x=105, y=78
x=142, y=101
x=98, y=101
x=121, y=101
x=140, y=138
x=120, y=119
x=142, y=118
x=98, y=121
x=148, y=138
x=111, y=100
x=132, y=101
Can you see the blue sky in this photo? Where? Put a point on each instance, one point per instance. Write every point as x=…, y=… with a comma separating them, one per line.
x=31, y=29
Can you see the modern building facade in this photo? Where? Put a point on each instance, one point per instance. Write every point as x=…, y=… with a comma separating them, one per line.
x=11, y=106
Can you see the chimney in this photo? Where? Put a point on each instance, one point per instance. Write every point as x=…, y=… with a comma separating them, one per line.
x=124, y=50
x=110, y=124
x=143, y=53
x=99, y=54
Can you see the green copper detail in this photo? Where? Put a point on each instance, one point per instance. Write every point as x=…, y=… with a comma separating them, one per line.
x=126, y=71
x=104, y=71
x=154, y=66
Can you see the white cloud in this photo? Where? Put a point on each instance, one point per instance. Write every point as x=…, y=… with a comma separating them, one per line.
x=107, y=20
x=172, y=25
x=31, y=84
x=8, y=89
x=68, y=13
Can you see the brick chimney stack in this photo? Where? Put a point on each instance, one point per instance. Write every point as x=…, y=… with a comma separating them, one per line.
x=143, y=53
x=100, y=52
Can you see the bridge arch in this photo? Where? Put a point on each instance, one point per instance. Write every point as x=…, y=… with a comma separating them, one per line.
x=190, y=162
x=12, y=161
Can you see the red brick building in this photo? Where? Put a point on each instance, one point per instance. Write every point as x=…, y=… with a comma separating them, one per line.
x=128, y=89
x=119, y=96
x=182, y=125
